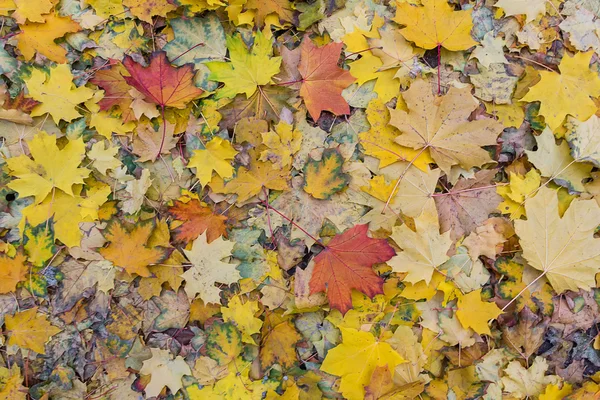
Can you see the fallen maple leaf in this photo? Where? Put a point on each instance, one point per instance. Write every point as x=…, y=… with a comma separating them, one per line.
x=323, y=178
x=56, y=93
x=346, y=263
x=164, y=370
x=161, y=83
x=127, y=248
x=30, y=330
x=51, y=167
x=12, y=271
x=567, y=93
x=356, y=358
x=436, y=24
x=39, y=37
x=322, y=79
x=441, y=126
x=116, y=89
x=197, y=219
x=563, y=249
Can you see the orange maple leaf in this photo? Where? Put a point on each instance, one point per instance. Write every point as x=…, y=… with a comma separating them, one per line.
x=196, y=220
x=345, y=264
x=322, y=80
x=162, y=83
x=127, y=248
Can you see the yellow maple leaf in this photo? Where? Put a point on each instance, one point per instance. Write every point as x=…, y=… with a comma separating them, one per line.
x=283, y=143
x=242, y=315
x=128, y=250
x=32, y=10
x=517, y=191
x=248, y=69
x=216, y=156
x=106, y=124
x=11, y=384
x=12, y=271
x=146, y=9
x=436, y=24
x=569, y=92
x=424, y=250
x=379, y=140
x=355, y=359
x=103, y=156
x=40, y=37
x=324, y=178
x=67, y=212
x=56, y=94
x=475, y=314
x=555, y=162
x=249, y=182
x=30, y=330
x=441, y=126
x=564, y=249
x=50, y=168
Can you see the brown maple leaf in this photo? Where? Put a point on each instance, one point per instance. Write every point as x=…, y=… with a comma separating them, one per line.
x=470, y=202
x=346, y=264
x=116, y=89
x=322, y=80
x=196, y=220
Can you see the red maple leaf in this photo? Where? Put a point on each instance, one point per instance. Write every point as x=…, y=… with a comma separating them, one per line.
x=346, y=264
x=162, y=83
x=116, y=89
x=322, y=80
x=196, y=220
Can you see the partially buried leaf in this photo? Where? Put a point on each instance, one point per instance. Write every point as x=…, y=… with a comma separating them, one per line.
x=56, y=93
x=197, y=40
x=150, y=144
x=474, y=313
x=216, y=156
x=346, y=263
x=530, y=382
x=30, y=330
x=435, y=24
x=12, y=271
x=568, y=92
x=39, y=37
x=250, y=182
x=164, y=371
x=128, y=250
x=470, y=202
x=424, y=249
x=322, y=79
x=555, y=161
x=50, y=168
x=278, y=346
x=242, y=314
x=196, y=219
x=208, y=268
x=223, y=343
x=325, y=177
x=355, y=359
